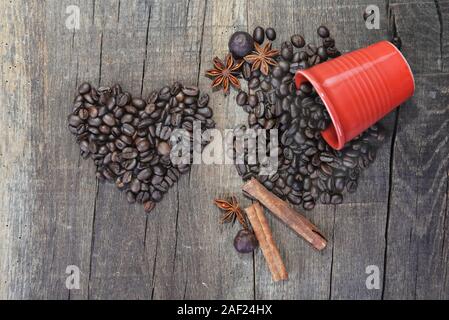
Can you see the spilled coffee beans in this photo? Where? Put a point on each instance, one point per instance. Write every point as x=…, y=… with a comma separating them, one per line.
x=309, y=170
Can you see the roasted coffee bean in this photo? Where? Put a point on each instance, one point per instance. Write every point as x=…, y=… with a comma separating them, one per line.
x=131, y=197
x=148, y=206
x=259, y=35
x=144, y=174
x=143, y=145
x=246, y=71
x=74, y=120
x=253, y=100
x=298, y=41
x=351, y=186
x=123, y=99
x=203, y=100
x=190, y=91
x=156, y=196
x=135, y=186
x=328, y=42
x=270, y=34
x=311, y=50
x=323, y=32
x=253, y=83
x=128, y=129
x=287, y=54
x=84, y=88
x=322, y=53
x=336, y=199
x=139, y=103
x=164, y=148
x=109, y=120
x=278, y=72
x=325, y=198
x=309, y=205
x=349, y=162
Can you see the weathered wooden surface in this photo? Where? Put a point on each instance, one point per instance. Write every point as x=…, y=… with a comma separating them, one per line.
x=54, y=214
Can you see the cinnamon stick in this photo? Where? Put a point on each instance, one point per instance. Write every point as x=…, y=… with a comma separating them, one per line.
x=269, y=249
x=300, y=224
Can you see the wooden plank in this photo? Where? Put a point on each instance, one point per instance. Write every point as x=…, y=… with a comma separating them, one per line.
x=423, y=28
x=205, y=257
x=119, y=267
x=174, y=53
x=338, y=271
x=418, y=253
x=15, y=153
x=54, y=215
x=50, y=198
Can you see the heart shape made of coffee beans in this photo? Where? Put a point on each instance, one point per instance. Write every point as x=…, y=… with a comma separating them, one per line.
x=130, y=139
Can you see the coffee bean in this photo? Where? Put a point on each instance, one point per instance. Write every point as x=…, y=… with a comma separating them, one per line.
x=128, y=129
x=271, y=34
x=203, y=100
x=323, y=32
x=311, y=50
x=309, y=205
x=287, y=54
x=259, y=35
x=253, y=100
x=351, y=186
x=156, y=196
x=190, y=91
x=253, y=83
x=328, y=42
x=278, y=72
x=144, y=174
x=109, y=120
x=131, y=197
x=135, y=186
x=349, y=162
x=84, y=88
x=123, y=99
x=336, y=199
x=148, y=206
x=246, y=71
x=322, y=53
x=164, y=148
x=139, y=103
x=298, y=41
x=74, y=120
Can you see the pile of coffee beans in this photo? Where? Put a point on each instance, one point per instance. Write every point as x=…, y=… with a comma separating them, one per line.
x=129, y=138
x=309, y=171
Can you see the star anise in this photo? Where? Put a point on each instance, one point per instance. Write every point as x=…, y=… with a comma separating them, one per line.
x=232, y=211
x=262, y=57
x=225, y=73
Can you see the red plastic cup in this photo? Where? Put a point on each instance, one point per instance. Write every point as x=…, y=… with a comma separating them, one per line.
x=359, y=88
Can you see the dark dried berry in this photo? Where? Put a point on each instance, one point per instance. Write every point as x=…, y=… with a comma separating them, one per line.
x=245, y=241
x=240, y=44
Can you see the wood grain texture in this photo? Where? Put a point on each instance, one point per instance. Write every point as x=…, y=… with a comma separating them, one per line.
x=417, y=255
x=55, y=214
x=424, y=29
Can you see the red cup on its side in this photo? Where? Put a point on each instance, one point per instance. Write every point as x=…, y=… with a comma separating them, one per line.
x=359, y=88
